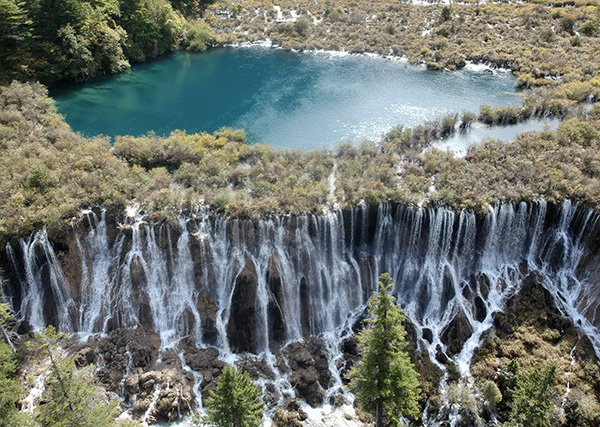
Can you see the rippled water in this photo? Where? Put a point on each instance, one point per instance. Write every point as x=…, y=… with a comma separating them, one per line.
x=287, y=99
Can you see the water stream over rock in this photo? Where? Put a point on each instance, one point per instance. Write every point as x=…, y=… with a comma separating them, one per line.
x=252, y=290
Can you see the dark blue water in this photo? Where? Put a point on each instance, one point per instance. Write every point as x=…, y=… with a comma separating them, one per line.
x=286, y=99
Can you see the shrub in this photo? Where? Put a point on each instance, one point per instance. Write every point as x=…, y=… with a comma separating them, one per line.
x=590, y=28
x=446, y=14
x=567, y=24
x=547, y=35
x=303, y=25
x=199, y=36
x=443, y=32
x=491, y=393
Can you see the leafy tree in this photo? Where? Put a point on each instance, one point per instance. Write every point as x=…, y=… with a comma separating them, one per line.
x=532, y=394
x=385, y=380
x=72, y=398
x=236, y=403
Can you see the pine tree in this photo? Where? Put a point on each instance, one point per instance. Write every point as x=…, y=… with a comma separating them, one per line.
x=236, y=403
x=385, y=380
x=532, y=399
x=73, y=400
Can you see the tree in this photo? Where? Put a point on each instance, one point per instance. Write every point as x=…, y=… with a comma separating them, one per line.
x=532, y=394
x=385, y=380
x=10, y=388
x=446, y=14
x=236, y=403
x=72, y=399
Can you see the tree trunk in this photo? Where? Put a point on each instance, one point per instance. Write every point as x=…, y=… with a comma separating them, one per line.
x=379, y=415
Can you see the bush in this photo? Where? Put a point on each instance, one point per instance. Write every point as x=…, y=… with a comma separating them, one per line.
x=446, y=14
x=443, y=32
x=303, y=25
x=547, y=35
x=199, y=36
x=491, y=393
x=567, y=24
x=590, y=28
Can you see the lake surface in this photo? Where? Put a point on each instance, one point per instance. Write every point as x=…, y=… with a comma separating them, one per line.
x=286, y=99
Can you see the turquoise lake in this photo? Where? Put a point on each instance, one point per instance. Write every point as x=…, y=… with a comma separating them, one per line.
x=286, y=99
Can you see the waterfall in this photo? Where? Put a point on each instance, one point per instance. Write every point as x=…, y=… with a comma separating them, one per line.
x=283, y=278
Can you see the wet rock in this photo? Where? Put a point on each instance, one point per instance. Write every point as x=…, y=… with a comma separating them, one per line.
x=310, y=369
x=170, y=392
x=208, y=313
x=85, y=357
x=24, y=328
x=456, y=333
x=131, y=386
x=257, y=368
x=428, y=335
x=350, y=346
x=241, y=329
x=202, y=360
x=480, y=309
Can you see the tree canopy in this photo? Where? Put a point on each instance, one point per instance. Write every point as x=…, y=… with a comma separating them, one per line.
x=236, y=402
x=384, y=380
x=72, y=398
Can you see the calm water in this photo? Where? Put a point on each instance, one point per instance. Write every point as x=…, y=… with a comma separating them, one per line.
x=299, y=100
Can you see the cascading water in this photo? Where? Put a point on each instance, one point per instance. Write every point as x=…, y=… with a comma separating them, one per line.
x=284, y=278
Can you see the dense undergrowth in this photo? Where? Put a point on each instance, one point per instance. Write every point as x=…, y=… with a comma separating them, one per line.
x=47, y=172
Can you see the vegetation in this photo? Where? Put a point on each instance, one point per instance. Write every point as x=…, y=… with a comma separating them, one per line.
x=52, y=41
x=10, y=387
x=531, y=329
x=236, y=402
x=515, y=35
x=384, y=380
x=48, y=173
x=72, y=399
x=531, y=395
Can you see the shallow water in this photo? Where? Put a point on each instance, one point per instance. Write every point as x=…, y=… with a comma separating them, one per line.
x=286, y=99
x=460, y=142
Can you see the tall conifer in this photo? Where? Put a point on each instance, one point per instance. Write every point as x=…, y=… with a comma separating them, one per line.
x=236, y=403
x=385, y=380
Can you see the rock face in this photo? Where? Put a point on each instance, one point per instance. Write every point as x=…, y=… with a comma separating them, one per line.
x=310, y=369
x=210, y=288
x=241, y=329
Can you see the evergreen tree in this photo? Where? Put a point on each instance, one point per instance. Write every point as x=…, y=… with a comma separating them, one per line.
x=532, y=394
x=236, y=403
x=385, y=380
x=72, y=399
